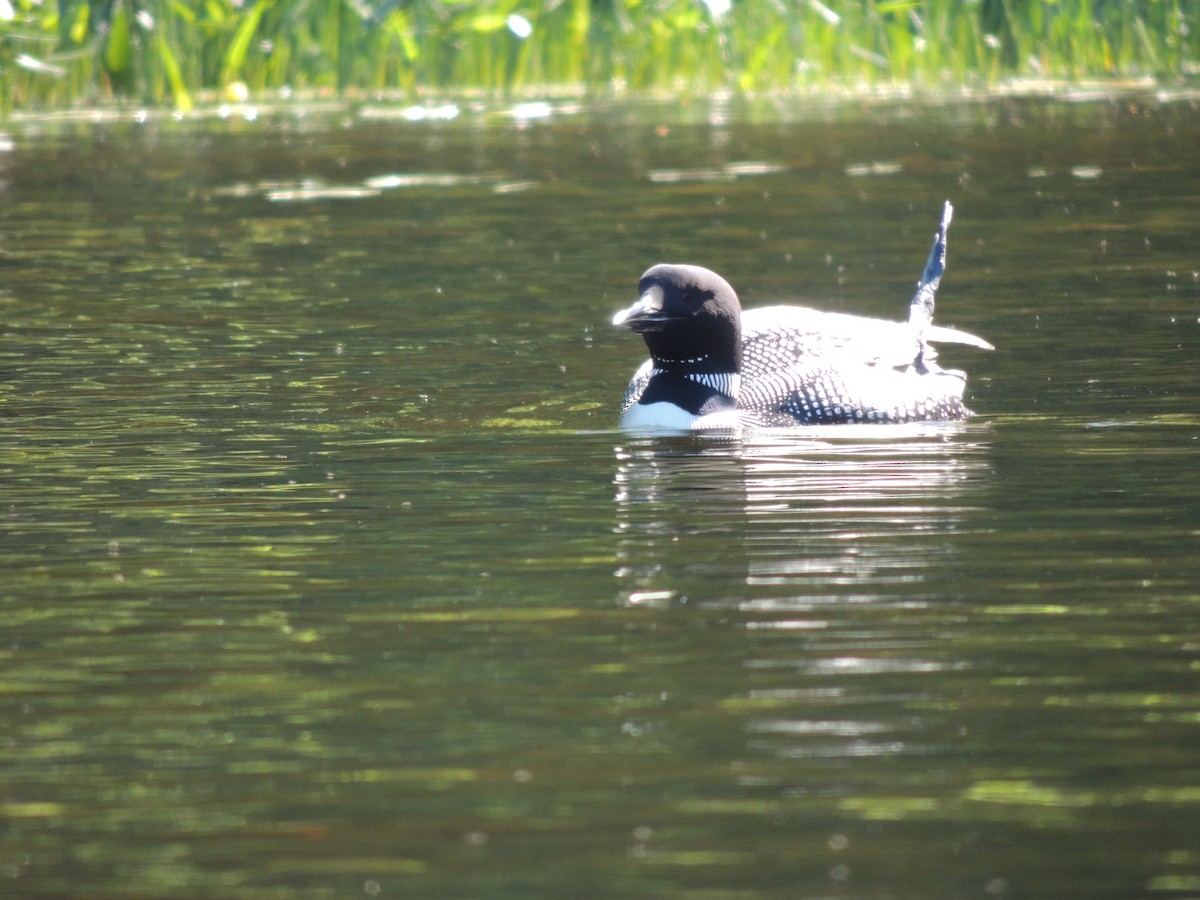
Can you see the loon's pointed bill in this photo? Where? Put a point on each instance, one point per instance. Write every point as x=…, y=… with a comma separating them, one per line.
x=646, y=314
x=711, y=365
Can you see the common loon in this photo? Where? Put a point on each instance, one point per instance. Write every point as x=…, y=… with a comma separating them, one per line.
x=714, y=366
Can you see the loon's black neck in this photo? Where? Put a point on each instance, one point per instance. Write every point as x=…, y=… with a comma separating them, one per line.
x=697, y=393
x=697, y=364
x=697, y=347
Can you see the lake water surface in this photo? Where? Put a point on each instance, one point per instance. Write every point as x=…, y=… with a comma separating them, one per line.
x=326, y=574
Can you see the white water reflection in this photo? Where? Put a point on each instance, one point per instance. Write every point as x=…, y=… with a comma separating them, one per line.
x=782, y=523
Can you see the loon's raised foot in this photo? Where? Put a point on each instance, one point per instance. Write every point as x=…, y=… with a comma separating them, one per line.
x=714, y=366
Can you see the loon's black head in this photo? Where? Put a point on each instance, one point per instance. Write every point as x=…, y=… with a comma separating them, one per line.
x=690, y=318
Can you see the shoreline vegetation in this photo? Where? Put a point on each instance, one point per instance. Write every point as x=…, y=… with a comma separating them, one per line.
x=176, y=53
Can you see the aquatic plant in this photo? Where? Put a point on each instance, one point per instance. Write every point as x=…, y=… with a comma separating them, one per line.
x=170, y=51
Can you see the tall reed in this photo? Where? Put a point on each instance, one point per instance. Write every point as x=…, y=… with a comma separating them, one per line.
x=173, y=51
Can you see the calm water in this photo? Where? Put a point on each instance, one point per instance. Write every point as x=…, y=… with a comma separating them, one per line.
x=326, y=575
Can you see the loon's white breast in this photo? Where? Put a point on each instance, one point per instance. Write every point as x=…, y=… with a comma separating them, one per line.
x=663, y=417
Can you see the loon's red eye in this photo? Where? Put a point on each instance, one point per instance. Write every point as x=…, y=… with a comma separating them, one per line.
x=689, y=296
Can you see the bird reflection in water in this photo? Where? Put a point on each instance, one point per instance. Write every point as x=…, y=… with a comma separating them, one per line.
x=785, y=520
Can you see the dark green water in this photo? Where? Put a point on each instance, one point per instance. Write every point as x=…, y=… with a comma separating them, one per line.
x=324, y=573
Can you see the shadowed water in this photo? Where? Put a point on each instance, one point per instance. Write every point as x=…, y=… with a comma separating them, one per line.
x=326, y=574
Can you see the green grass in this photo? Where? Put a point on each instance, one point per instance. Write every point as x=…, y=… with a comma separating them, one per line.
x=174, y=51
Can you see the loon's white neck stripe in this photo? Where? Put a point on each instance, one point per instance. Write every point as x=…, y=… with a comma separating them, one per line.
x=727, y=383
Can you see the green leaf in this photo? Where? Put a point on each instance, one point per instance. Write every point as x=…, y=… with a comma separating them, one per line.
x=78, y=29
x=184, y=12
x=235, y=55
x=117, y=53
x=488, y=22
x=183, y=98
